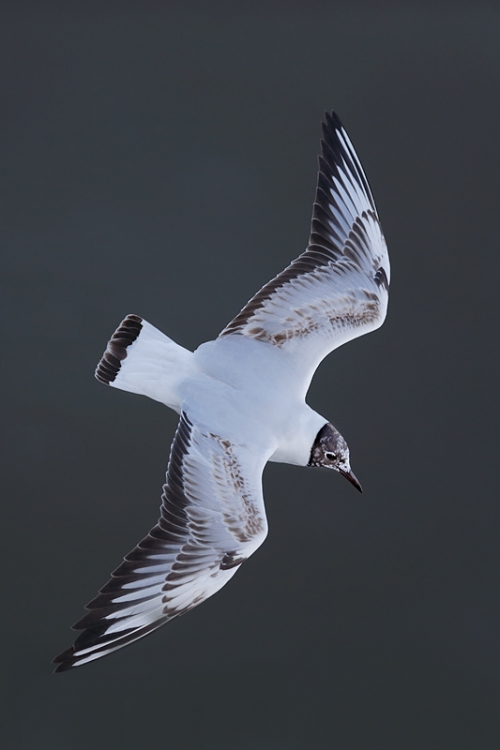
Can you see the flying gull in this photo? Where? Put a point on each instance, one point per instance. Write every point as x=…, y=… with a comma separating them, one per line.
x=241, y=400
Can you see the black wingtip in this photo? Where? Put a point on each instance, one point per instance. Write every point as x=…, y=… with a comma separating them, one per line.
x=332, y=120
x=336, y=149
x=64, y=660
x=330, y=144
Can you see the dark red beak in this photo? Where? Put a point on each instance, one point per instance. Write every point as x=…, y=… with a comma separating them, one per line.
x=352, y=478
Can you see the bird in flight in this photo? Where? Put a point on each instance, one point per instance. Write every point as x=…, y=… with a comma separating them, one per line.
x=241, y=400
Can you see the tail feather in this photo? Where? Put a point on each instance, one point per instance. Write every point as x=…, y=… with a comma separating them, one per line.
x=116, y=350
x=141, y=359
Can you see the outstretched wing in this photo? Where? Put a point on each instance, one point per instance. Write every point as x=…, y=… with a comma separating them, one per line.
x=212, y=520
x=338, y=288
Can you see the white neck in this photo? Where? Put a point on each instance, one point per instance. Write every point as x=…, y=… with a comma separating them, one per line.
x=297, y=435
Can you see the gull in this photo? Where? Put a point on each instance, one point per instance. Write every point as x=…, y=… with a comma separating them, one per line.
x=241, y=401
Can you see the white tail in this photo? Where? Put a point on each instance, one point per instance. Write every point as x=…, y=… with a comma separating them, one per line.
x=141, y=359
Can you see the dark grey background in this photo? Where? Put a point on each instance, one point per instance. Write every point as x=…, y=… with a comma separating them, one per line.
x=160, y=159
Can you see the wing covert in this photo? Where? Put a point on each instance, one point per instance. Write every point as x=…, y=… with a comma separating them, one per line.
x=212, y=519
x=338, y=288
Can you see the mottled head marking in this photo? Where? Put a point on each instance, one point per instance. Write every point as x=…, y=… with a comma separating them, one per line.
x=330, y=450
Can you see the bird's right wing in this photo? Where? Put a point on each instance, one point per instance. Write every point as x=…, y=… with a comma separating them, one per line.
x=212, y=520
x=338, y=288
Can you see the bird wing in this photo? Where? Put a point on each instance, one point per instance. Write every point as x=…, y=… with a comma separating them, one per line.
x=338, y=288
x=212, y=519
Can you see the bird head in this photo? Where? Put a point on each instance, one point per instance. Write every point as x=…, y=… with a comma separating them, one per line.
x=330, y=450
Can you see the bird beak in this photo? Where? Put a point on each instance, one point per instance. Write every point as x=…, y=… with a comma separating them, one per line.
x=352, y=478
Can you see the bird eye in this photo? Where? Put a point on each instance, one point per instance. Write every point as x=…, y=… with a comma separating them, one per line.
x=330, y=456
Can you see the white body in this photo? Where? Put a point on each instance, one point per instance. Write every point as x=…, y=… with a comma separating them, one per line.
x=241, y=400
x=244, y=389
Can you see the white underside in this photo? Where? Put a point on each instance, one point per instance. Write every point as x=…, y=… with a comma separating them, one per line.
x=246, y=390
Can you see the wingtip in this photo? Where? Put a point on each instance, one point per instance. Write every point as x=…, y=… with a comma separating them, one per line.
x=64, y=661
x=330, y=144
x=332, y=120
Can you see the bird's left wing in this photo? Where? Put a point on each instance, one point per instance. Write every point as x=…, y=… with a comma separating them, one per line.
x=212, y=520
x=338, y=288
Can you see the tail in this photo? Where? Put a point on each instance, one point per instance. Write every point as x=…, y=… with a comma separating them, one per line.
x=141, y=359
